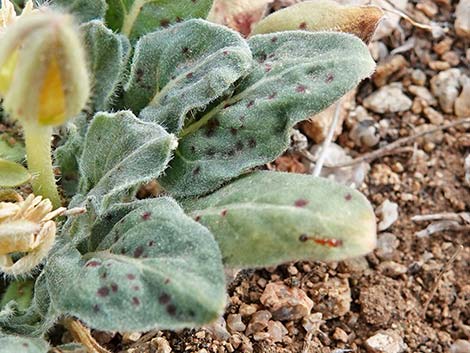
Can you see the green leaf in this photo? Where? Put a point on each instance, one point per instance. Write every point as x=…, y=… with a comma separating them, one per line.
x=107, y=56
x=83, y=10
x=134, y=18
x=11, y=343
x=323, y=15
x=21, y=291
x=13, y=152
x=12, y=174
x=68, y=154
x=155, y=268
x=267, y=218
x=36, y=319
x=121, y=152
x=296, y=75
x=178, y=70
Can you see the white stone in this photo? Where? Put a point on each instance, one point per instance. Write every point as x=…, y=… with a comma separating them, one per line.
x=445, y=86
x=388, y=213
x=462, y=103
x=388, y=99
x=462, y=19
x=386, y=342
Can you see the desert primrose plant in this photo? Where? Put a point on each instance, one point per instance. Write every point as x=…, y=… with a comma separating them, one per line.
x=196, y=107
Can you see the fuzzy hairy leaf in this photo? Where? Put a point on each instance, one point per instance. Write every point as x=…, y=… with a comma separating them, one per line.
x=121, y=152
x=155, y=268
x=83, y=10
x=184, y=68
x=296, y=74
x=13, y=152
x=36, y=319
x=68, y=154
x=323, y=15
x=134, y=18
x=12, y=174
x=20, y=291
x=267, y=218
x=107, y=56
x=11, y=343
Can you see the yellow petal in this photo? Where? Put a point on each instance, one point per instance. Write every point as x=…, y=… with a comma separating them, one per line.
x=6, y=73
x=52, y=97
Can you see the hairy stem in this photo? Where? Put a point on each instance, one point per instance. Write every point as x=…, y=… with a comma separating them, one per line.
x=38, y=154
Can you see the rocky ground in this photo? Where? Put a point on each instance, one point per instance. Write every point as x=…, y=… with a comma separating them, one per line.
x=412, y=294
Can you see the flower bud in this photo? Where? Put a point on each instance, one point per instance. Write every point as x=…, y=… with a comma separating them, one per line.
x=43, y=74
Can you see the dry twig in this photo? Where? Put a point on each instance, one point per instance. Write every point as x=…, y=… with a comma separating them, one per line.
x=439, y=277
x=400, y=142
x=448, y=216
x=82, y=335
x=326, y=143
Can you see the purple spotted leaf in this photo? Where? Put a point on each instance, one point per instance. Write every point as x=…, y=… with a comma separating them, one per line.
x=267, y=218
x=183, y=69
x=134, y=18
x=34, y=320
x=323, y=15
x=23, y=344
x=121, y=152
x=155, y=268
x=295, y=75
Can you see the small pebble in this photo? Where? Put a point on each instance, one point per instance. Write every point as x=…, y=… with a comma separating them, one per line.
x=235, y=323
x=388, y=341
x=445, y=86
x=259, y=321
x=388, y=213
x=340, y=335
x=276, y=331
x=460, y=346
x=388, y=99
x=365, y=133
x=286, y=303
x=462, y=19
x=161, y=344
x=247, y=309
x=423, y=93
x=418, y=77
x=130, y=337
x=462, y=103
x=433, y=116
x=387, y=243
x=312, y=322
x=392, y=269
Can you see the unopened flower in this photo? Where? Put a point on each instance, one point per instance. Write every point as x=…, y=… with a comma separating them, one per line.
x=43, y=72
x=27, y=227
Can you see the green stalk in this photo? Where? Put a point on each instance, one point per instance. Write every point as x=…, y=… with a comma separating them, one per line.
x=38, y=154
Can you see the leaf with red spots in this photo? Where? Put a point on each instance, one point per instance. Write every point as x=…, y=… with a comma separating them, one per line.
x=134, y=18
x=184, y=69
x=308, y=72
x=23, y=344
x=175, y=282
x=323, y=15
x=121, y=152
x=267, y=218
